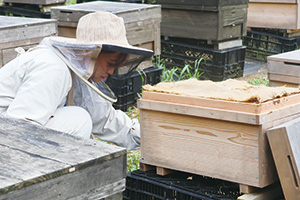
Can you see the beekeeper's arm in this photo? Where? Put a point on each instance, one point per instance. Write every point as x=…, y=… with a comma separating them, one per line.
x=108, y=124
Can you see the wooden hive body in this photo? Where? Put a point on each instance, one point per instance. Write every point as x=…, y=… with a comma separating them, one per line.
x=277, y=14
x=39, y=164
x=284, y=69
x=206, y=20
x=22, y=32
x=221, y=139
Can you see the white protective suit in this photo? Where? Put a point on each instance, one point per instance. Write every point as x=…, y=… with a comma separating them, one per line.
x=34, y=87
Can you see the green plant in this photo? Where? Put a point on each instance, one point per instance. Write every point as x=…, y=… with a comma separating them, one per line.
x=178, y=73
x=71, y=2
x=133, y=160
x=259, y=81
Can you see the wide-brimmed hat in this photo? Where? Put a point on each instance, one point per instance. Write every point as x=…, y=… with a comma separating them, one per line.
x=96, y=32
x=102, y=30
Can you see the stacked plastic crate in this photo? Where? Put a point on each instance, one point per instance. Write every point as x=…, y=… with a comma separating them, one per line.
x=142, y=23
x=209, y=29
x=273, y=28
x=29, y=8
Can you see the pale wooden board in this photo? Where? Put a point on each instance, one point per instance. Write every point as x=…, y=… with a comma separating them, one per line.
x=281, y=83
x=20, y=28
x=284, y=78
x=290, y=57
x=274, y=15
x=244, y=107
x=215, y=148
x=130, y=12
x=283, y=68
x=284, y=141
x=269, y=193
x=39, y=163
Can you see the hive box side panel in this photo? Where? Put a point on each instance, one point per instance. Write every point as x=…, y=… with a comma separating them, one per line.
x=215, y=148
x=274, y=15
x=284, y=141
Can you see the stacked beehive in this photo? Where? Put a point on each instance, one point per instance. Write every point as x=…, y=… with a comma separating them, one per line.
x=273, y=28
x=208, y=29
x=142, y=23
x=22, y=32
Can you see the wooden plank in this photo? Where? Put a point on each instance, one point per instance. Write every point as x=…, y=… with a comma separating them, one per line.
x=18, y=28
x=129, y=12
x=289, y=57
x=285, y=78
x=40, y=163
x=283, y=68
x=269, y=193
x=163, y=171
x=284, y=84
x=211, y=113
x=216, y=148
x=284, y=141
x=247, y=107
x=228, y=44
x=275, y=15
x=246, y=189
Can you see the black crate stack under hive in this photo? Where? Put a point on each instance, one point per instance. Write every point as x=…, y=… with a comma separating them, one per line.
x=262, y=43
x=29, y=8
x=182, y=186
x=210, y=29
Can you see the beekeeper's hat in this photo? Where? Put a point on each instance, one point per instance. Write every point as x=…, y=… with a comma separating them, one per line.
x=96, y=32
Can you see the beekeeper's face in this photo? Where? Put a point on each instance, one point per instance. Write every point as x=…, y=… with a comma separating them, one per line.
x=105, y=65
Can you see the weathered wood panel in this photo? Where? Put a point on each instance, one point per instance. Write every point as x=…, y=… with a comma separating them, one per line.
x=22, y=32
x=284, y=141
x=284, y=68
x=39, y=163
x=274, y=15
x=220, y=138
x=228, y=22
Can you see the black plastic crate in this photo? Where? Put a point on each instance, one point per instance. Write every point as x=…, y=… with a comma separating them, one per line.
x=126, y=88
x=219, y=65
x=26, y=10
x=261, y=44
x=177, y=186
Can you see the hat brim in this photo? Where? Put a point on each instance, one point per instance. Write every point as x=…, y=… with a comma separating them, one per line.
x=72, y=43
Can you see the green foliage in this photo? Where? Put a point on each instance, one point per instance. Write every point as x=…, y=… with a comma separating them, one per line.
x=259, y=81
x=71, y=2
x=178, y=73
x=133, y=160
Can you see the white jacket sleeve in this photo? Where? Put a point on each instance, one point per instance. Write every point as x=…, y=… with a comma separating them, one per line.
x=108, y=124
x=42, y=82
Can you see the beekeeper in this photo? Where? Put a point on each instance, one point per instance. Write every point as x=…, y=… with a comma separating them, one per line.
x=34, y=87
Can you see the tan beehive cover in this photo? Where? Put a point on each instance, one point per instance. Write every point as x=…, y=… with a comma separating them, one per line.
x=231, y=89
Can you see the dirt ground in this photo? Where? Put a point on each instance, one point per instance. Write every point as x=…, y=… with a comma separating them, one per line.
x=262, y=73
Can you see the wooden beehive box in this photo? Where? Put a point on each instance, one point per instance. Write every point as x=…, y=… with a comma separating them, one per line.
x=40, y=164
x=277, y=14
x=284, y=69
x=142, y=22
x=215, y=138
x=212, y=20
x=22, y=32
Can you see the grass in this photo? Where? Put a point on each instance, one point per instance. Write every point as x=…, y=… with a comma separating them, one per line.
x=259, y=81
